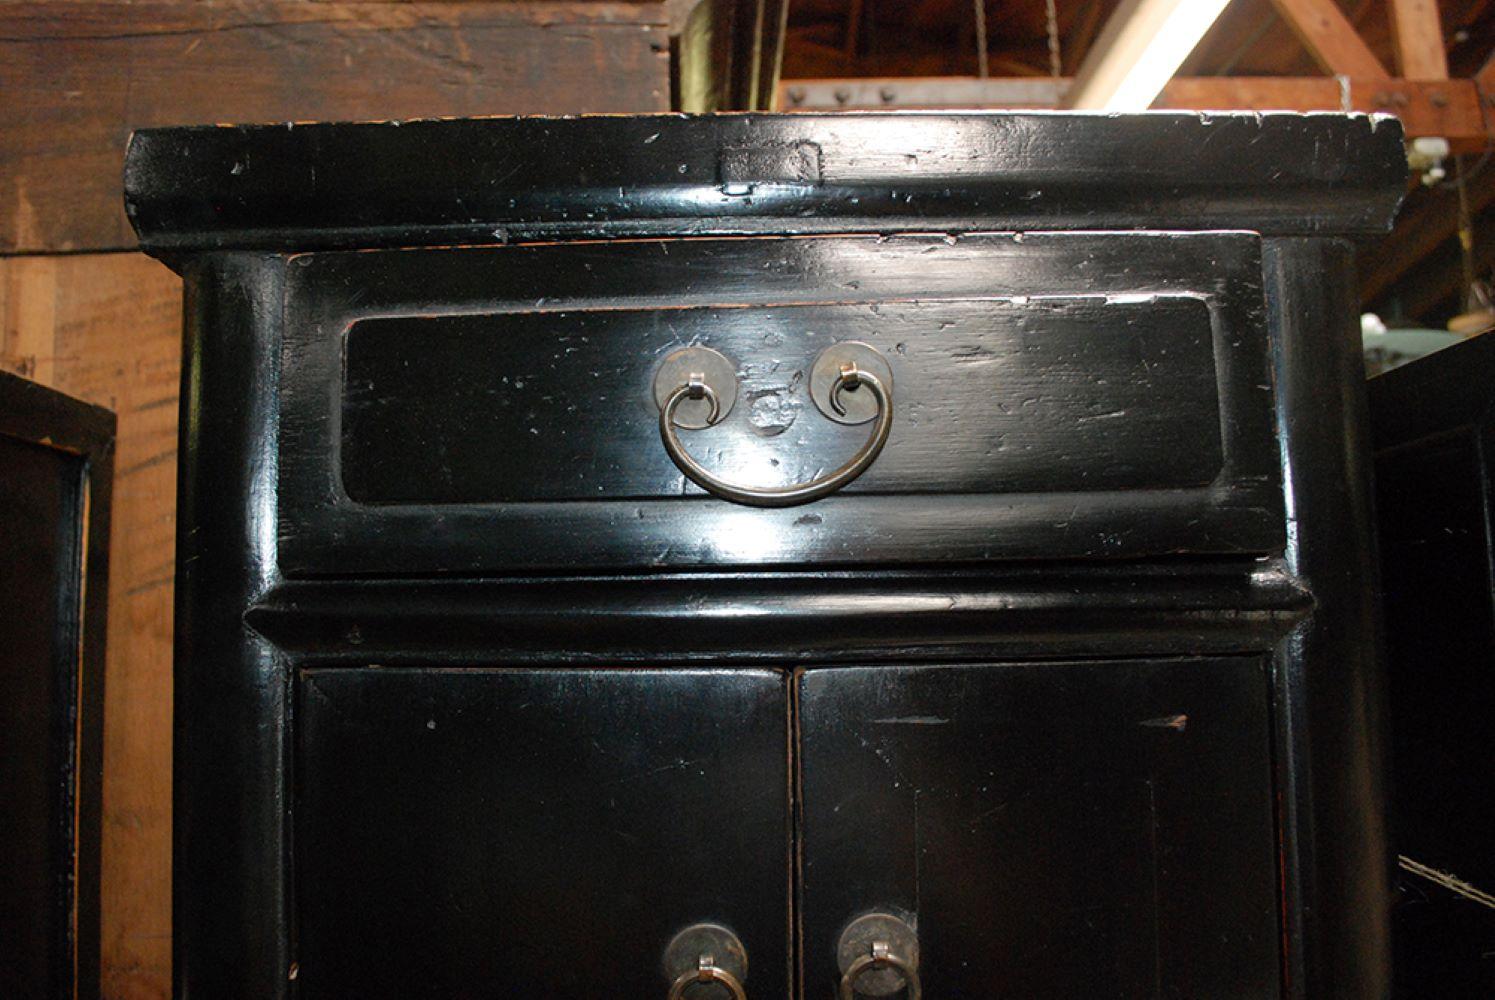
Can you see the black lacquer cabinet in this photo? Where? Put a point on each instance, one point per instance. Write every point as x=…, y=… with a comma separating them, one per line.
x=56, y=481
x=1432, y=425
x=775, y=556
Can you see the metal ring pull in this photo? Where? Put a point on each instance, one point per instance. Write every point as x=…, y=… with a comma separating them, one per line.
x=881, y=956
x=850, y=376
x=703, y=954
x=878, y=955
x=706, y=972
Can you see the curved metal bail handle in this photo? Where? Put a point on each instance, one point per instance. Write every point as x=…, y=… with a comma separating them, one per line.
x=779, y=496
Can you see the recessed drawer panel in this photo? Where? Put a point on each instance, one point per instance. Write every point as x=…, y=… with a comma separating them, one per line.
x=989, y=396
x=1048, y=395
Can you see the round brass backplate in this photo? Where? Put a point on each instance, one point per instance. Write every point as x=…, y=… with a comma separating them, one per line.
x=860, y=406
x=857, y=940
x=715, y=370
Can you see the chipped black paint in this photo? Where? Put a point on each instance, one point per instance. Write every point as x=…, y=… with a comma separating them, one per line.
x=1084, y=690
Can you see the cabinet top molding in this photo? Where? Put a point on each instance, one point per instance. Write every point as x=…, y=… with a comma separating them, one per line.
x=486, y=181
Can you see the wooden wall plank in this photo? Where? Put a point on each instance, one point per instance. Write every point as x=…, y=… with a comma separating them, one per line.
x=78, y=75
x=107, y=328
x=1330, y=37
x=1417, y=31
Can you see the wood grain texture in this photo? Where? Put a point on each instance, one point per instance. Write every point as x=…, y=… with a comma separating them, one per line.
x=1446, y=108
x=79, y=76
x=1330, y=37
x=106, y=328
x=1417, y=30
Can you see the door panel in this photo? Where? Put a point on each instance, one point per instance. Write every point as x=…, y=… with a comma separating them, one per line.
x=40, y=512
x=56, y=474
x=1053, y=829
x=483, y=833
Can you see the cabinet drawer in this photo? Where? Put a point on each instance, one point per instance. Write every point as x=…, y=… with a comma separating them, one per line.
x=1052, y=395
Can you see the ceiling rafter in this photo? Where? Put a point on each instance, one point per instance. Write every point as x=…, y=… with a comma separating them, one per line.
x=1331, y=38
x=1417, y=32
x=1426, y=61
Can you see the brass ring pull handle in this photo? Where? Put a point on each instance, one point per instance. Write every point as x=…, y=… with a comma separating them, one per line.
x=881, y=956
x=706, y=972
x=850, y=376
x=878, y=956
x=705, y=953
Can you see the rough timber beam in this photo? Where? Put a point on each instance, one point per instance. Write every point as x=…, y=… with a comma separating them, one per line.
x=1331, y=38
x=1139, y=50
x=1447, y=108
x=1417, y=31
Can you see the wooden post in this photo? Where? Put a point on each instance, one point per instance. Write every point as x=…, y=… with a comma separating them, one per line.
x=1418, y=33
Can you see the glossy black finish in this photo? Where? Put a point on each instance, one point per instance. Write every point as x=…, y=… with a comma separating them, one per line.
x=56, y=470
x=1035, y=610
x=301, y=187
x=996, y=407
x=1131, y=381
x=478, y=833
x=1433, y=427
x=1442, y=942
x=1329, y=675
x=366, y=549
x=230, y=874
x=1056, y=829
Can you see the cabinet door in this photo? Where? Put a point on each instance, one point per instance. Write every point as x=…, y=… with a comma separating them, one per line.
x=1100, y=829
x=55, y=478
x=540, y=833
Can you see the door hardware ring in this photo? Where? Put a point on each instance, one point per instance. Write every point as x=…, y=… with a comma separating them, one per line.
x=705, y=953
x=706, y=972
x=881, y=956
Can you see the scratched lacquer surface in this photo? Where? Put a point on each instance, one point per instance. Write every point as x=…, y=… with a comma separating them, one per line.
x=477, y=697
x=1055, y=395
x=476, y=834
x=1099, y=829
